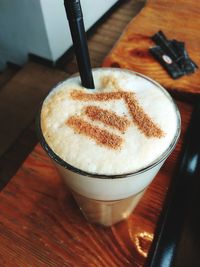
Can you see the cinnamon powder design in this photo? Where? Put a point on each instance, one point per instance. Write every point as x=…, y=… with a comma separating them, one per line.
x=79, y=95
x=107, y=117
x=101, y=136
x=139, y=117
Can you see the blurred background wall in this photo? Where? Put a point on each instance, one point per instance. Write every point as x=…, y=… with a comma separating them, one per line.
x=40, y=27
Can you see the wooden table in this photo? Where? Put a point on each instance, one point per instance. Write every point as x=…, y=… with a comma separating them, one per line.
x=40, y=224
x=178, y=20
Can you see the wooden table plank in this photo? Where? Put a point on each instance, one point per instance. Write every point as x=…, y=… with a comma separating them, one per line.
x=40, y=224
x=178, y=20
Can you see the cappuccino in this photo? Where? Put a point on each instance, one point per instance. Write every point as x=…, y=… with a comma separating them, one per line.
x=109, y=143
x=122, y=126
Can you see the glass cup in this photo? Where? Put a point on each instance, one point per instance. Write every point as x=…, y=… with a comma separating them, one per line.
x=108, y=199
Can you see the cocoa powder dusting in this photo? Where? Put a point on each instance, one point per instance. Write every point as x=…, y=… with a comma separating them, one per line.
x=79, y=95
x=101, y=136
x=107, y=117
x=140, y=118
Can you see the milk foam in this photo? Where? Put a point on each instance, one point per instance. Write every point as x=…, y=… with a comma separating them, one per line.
x=137, y=150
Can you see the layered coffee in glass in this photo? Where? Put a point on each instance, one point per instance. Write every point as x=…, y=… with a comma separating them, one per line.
x=108, y=143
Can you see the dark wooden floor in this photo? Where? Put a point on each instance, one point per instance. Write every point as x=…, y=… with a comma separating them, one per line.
x=18, y=136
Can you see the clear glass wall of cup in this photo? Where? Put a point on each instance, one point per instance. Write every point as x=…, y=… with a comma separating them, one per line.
x=108, y=199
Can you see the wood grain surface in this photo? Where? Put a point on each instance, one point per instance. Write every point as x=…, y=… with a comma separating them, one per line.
x=41, y=225
x=178, y=20
x=21, y=98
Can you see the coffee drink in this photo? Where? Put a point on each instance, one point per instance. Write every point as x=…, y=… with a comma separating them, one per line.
x=109, y=142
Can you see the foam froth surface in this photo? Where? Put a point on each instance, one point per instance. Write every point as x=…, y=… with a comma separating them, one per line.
x=123, y=125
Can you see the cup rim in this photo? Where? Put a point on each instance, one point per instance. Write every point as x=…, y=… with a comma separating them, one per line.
x=70, y=167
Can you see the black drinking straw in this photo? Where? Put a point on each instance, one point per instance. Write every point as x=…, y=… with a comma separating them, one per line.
x=75, y=18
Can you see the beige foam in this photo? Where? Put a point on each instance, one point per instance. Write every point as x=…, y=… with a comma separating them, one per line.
x=148, y=112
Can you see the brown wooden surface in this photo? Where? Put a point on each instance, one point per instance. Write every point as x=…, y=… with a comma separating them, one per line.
x=40, y=224
x=178, y=20
x=6, y=75
x=30, y=85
